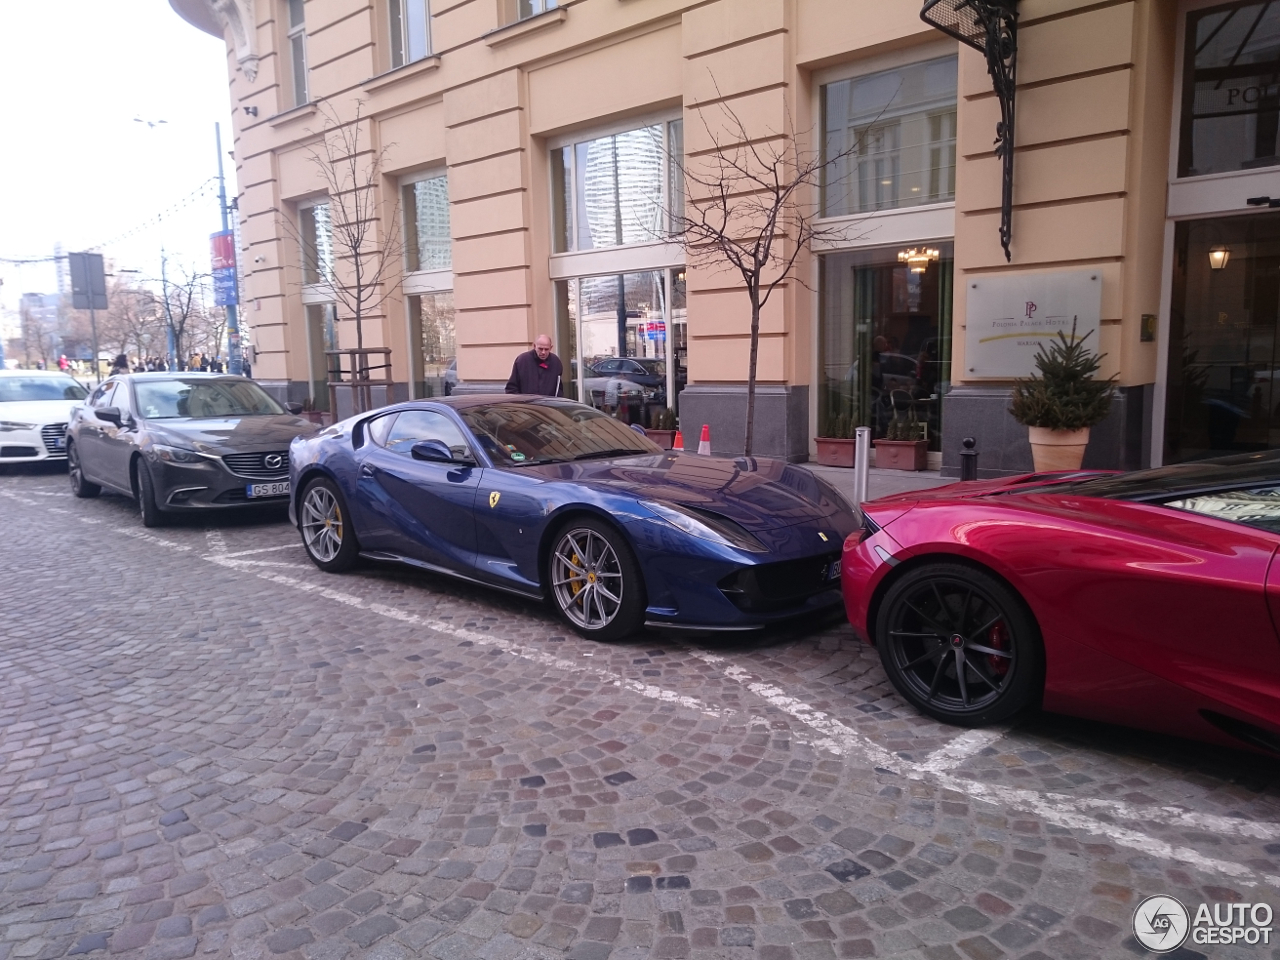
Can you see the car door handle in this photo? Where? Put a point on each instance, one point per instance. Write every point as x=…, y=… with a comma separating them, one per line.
x=366, y=470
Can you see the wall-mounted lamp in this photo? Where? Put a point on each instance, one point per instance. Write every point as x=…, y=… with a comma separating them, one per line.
x=918, y=259
x=1218, y=257
x=251, y=111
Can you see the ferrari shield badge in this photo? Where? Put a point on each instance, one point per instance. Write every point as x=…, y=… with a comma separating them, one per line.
x=494, y=498
x=823, y=536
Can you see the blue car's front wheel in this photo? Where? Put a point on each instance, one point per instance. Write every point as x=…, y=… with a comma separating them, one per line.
x=595, y=580
x=325, y=525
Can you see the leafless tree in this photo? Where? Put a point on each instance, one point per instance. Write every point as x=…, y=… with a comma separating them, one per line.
x=366, y=265
x=750, y=207
x=186, y=309
x=38, y=336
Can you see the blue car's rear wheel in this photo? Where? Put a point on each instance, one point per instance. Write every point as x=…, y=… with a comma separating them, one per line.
x=960, y=645
x=595, y=580
x=325, y=525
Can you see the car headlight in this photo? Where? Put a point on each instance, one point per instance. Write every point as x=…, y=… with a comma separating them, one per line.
x=705, y=526
x=8, y=426
x=174, y=454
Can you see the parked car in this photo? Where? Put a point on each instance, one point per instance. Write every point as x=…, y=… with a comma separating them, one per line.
x=548, y=498
x=183, y=441
x=1149, y=599
x=35, y=406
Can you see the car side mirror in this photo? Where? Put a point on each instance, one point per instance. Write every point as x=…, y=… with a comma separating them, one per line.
x=434, y=451
x=109, y=414
x=294, y=408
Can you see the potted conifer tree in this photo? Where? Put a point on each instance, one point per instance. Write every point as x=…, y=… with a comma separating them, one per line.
x=663, y=431
x=1062, y=401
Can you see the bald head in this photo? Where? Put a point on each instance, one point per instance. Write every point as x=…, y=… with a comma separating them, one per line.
x=542, y=346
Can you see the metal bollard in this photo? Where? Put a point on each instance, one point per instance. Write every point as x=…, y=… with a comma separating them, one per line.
x=968, y=459
x=861, y=464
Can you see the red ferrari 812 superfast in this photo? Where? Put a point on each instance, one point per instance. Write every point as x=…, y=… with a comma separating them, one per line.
x=1149, y=598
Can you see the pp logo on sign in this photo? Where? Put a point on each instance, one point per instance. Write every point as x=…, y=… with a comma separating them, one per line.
x=1161, y=924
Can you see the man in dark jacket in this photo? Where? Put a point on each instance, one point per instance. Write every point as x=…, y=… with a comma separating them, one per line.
x=538, y=372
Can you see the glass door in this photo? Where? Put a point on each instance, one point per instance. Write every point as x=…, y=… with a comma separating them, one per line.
x=1223, y=395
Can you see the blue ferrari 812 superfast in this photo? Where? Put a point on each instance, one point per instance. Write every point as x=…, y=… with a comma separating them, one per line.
x=554, y=500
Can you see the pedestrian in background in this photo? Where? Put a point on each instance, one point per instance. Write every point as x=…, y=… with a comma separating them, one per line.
x=538, y=372
x=120, y=364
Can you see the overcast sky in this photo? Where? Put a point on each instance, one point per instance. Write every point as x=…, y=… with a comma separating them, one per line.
x=75, y=166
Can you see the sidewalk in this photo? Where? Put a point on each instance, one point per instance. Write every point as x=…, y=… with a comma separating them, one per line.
x=880, y=483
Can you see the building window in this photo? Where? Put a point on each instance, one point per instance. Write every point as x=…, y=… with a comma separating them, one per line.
x=410, y=33
x=298, y=51
x=890, y=138
x=616, y=190
x=513, y=10
x=1230, y=89
x=322, y=338
x=884, y=338
x=316, y=234
x=427, y=242
x=433, y=344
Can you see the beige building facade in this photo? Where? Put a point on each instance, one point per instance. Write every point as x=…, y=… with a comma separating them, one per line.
x=529, y=158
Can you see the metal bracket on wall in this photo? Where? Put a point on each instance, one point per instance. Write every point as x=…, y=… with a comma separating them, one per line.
x=991, y=28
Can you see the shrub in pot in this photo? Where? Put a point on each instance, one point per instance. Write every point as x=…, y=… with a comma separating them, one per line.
x=663, y=428
x=837, y=447
x=905, y=445
x=1062, y=401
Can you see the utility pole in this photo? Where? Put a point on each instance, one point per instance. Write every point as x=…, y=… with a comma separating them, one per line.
x=168, y=312
x=235, y=365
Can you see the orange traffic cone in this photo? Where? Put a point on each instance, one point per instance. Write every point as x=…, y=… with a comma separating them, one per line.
x=679, y=443
x=704, y=445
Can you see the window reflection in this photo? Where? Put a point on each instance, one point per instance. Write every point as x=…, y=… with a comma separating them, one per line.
x=426, y=205
x=431, y=323
x=1223, y=361
x=885, y=340
x=1231, y=89
x=615, y=190
x=895, y=135
x=317, y=244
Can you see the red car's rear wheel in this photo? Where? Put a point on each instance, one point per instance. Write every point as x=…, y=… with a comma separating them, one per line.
x=960, y=645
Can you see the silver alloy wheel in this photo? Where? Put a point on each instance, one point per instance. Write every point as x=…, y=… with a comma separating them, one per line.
x=321, y=523
x=73, y=467
x=586, y=578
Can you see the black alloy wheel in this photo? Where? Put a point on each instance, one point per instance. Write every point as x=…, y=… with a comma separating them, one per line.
x=960, y=645
x=152, y=516
x=325, y=524
x=80, y=487
x=596, y=583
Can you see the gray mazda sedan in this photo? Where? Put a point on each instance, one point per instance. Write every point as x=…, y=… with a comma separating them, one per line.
x=183, y=441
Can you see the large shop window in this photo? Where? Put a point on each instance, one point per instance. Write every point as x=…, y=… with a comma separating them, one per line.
x=435, y=351
x=1224, y=338
x=322, y=336
x=891, y=139
x=616, y=190
x=628, y=333
x=427, y=242
x=1231, y=89
x=885, y=338
x=410, y=33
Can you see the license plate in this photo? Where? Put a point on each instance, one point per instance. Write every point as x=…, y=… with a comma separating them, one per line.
x=58, y=443
x=267, y=489
x=833, y=571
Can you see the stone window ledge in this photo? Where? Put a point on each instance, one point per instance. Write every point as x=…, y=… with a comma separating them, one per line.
x=294, y=113
x=522, y=28
x=410, y=70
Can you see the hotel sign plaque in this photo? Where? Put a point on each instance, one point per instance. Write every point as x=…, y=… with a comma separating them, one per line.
x=1010, y=316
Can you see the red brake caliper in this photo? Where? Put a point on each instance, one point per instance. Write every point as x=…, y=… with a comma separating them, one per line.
x=998, y=639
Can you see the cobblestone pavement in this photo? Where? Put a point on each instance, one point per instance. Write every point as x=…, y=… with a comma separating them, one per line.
x=210, y=748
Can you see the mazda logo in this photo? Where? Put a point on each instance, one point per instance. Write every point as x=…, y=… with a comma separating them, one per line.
x=273, y=461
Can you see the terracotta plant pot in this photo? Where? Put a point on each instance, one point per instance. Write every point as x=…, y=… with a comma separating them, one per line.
x=833, y=452
x=1054, y=450
x=663, y=438
x=902, y=454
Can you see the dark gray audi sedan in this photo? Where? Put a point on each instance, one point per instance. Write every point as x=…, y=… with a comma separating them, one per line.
x=183, y=441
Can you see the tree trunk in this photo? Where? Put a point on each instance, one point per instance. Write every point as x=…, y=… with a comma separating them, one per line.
x=751, y=369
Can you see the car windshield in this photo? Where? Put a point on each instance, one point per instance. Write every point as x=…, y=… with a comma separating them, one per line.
x=1236, y=472
x=169, y=399
x=1254, y=508
x=16, y=389
x=551, y=431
